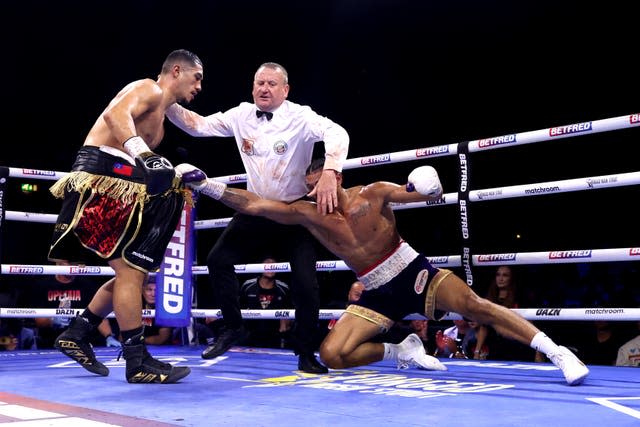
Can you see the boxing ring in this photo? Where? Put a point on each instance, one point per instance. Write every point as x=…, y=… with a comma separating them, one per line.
x=253, y=386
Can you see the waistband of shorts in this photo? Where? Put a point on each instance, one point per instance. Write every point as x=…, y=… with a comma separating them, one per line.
x=99, y=161
x=118, y=153
x=389, y=267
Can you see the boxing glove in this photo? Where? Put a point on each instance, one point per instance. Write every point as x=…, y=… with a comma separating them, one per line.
x=111, y=341
x=158, y=172
x=197, y=180
x=424, y=180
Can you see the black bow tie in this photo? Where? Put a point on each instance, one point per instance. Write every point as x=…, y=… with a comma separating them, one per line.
x=264, y=113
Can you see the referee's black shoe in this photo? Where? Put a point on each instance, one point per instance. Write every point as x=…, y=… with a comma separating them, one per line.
x=227, y=339
x=307, y=362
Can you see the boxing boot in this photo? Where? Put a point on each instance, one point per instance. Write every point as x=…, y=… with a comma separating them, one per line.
x=143, y=368
x=74, y=343
x=411, y=353
x=573, y=369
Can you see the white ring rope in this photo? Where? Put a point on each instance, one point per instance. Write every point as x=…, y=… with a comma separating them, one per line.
x=616, y=314
x=544, y=257
x=513, y=258
x=540, y=135
x=525, y=190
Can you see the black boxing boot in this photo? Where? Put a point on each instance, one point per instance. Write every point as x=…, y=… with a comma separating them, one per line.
x=143, y=368
x=74, y=343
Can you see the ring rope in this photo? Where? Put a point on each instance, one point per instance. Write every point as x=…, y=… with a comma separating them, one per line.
x=509, y=140
x=496, y=193
x=512, y=258
x=568, y=314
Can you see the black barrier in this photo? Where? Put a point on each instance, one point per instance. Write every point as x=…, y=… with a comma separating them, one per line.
x=465, y=210
x=4, y=175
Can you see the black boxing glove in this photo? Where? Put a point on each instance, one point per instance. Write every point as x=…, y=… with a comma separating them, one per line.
x=158, y=171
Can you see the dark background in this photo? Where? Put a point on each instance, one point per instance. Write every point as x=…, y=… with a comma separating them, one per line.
x=397, y=75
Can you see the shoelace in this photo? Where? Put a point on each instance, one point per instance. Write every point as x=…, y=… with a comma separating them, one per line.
x=404, y=364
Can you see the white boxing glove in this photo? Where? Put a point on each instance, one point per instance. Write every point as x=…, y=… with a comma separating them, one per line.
x=197, y=180
x=424, y=180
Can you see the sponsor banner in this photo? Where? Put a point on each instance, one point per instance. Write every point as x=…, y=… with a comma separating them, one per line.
x=173, y=281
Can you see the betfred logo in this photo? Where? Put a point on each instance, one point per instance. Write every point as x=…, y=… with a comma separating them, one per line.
x=25, y=269
x=634, y=251
x=570, y=129
x=38, y=172
x=496, y=257
x=634, y=119
x=281, y=266
x=326, y=264
x=499, y=140
x=84, y=270
x=372, y=160
x=569, y=254
x=238, y=178
x=432, y=151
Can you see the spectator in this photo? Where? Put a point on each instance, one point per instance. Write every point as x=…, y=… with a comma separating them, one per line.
x=629, y=352
x=421, y=328
x=457, y=341
x=15, y=336
x=265, y=292
x=601, y=344
x=502, y=290
x=153, y=334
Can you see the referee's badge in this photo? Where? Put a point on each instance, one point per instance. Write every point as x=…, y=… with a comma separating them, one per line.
x=280, y=147
x=247, y=147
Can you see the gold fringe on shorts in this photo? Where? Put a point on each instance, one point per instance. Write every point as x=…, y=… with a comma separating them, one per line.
x=116, y=188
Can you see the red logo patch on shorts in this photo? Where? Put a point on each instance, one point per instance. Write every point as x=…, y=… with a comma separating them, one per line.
x=121, y=169
x=421, y=281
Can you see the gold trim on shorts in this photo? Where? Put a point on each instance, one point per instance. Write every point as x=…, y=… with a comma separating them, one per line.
x=430, y=300
x=372, y=316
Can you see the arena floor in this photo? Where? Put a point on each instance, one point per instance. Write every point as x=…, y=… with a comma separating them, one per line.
x=260, y=387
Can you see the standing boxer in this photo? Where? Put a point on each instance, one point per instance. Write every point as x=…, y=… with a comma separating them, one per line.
x=398, y=280
x=121, y=203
